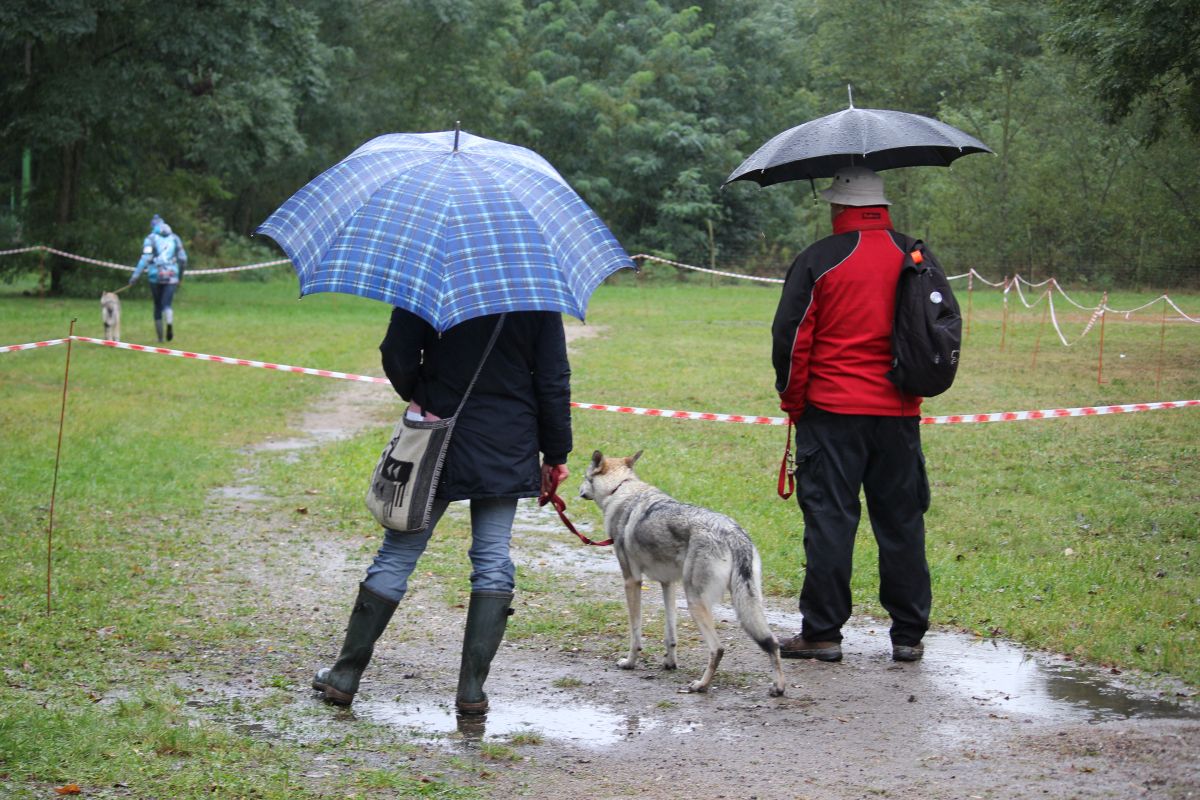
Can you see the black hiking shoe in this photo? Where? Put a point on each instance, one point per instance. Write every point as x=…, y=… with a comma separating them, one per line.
x=907, y=652
x=799, y=647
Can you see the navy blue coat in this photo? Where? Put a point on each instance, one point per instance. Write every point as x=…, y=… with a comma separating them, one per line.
x=520, y=405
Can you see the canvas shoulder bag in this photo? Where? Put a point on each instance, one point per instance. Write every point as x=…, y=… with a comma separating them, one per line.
x=405, y=480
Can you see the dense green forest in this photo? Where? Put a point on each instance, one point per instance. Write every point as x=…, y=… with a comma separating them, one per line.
x=213, y=112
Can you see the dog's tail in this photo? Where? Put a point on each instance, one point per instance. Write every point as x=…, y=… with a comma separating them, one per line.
x=745, y=590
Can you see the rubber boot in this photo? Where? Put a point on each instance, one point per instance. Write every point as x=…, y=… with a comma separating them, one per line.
x=371, y=614
x=158, y=328
x=487, y=617
x=170, y=331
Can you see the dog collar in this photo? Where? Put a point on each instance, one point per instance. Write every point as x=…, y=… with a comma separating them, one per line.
x=618, y=486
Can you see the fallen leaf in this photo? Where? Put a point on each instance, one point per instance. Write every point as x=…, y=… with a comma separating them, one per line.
x=70, y=788
x=302, y=510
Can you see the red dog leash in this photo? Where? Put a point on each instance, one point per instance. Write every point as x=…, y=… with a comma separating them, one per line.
x=549, y=495
x=787, y=468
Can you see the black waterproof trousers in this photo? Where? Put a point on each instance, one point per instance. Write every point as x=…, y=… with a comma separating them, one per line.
x=837, y=455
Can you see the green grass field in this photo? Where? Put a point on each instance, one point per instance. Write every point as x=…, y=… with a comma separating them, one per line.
x=1075, y=535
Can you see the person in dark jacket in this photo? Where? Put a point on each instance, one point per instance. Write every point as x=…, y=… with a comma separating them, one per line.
x=519, y=406
x=831, y=349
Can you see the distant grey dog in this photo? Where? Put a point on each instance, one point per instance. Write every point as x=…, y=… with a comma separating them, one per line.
x=671, y=542
x=110, y=312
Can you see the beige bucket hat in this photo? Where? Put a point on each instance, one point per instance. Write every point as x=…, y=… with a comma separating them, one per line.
x=856, y=186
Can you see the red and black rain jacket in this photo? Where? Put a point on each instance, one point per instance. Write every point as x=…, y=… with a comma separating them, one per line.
x=831, y=339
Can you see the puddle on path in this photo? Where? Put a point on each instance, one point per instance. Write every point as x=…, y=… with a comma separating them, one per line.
x=1020, y=682
x=580, y=724
x=313, y=437
x=245, y=493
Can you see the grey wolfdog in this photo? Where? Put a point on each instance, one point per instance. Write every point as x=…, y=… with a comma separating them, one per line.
x=672, y=542
x=110, y=314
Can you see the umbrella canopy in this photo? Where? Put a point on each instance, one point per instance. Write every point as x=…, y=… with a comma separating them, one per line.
x=862, y=137
x=449, y=226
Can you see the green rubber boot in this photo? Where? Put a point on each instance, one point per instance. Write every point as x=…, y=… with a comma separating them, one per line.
x=339, y=683
x=487, y=617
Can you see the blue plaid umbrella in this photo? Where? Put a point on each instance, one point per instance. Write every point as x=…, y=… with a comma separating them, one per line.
x=449, y=226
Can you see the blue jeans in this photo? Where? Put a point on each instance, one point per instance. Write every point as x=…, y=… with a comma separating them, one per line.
x=491, y=567
x=163, y=294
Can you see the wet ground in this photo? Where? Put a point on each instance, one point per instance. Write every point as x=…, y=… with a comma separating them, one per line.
x=975, y=719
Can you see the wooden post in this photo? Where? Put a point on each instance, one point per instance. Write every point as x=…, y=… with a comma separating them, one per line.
x=1100, y=361
x=970, y=293
x=1004, y=318
x=62, y=416
x=1162, y=340
x=712, y=254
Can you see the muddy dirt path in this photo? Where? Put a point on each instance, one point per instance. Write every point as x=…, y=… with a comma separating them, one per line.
x=975, y=719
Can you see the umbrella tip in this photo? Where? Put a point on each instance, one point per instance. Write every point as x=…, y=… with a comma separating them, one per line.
x=456, y=124
x=850, y=94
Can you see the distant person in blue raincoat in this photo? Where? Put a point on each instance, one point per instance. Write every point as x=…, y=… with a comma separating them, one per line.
x=164, y=260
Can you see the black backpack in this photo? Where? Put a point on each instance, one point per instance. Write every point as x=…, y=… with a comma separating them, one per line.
x=927, y=330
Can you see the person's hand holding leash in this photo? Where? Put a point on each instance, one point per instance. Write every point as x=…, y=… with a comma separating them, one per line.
x=552, y=476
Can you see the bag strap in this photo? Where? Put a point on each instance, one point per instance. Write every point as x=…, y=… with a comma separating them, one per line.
x=487, y=352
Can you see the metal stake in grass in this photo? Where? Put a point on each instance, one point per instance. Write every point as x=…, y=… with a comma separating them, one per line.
x=62, y=416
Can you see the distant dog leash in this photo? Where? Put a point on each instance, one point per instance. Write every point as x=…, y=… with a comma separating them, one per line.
x=550, y=495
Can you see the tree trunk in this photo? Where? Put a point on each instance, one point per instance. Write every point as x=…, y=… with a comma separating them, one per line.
x=64, y=213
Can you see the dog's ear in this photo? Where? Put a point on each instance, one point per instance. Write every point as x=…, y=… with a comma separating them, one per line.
x=597, y=461
x=631, y=460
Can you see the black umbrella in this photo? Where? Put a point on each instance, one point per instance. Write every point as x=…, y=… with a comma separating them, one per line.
x=863, y=137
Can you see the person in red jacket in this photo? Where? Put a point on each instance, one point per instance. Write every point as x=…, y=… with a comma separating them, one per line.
x=831, y=349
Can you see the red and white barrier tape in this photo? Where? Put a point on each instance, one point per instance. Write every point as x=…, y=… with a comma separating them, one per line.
x=667, y=413
x=12, y=348
x=237, y=362
x=1055, y=413
x=949, y=419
